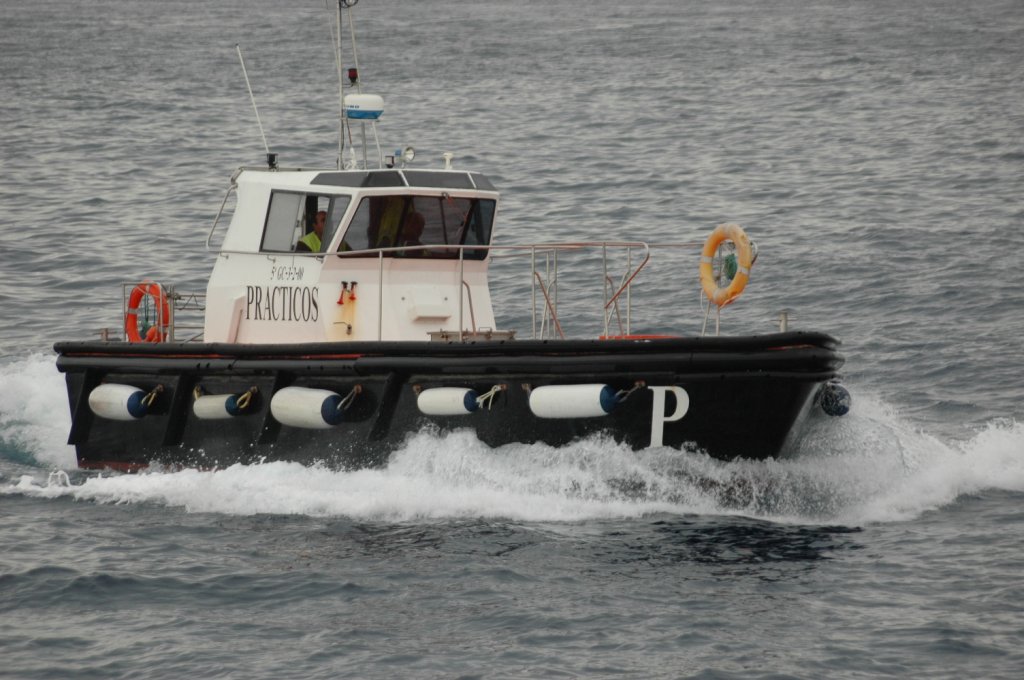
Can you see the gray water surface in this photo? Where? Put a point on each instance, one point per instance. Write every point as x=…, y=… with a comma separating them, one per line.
x=874, y=151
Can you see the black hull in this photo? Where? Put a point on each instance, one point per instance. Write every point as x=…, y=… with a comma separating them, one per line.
x=747, y=396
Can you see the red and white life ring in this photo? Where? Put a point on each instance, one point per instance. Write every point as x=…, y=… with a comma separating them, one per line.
x=157, y=332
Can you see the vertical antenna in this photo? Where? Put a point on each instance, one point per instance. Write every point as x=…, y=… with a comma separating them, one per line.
x=245, y=73
x=341, y=90
x=355, y=62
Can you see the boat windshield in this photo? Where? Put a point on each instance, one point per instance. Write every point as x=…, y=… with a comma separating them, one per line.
x=431, y=221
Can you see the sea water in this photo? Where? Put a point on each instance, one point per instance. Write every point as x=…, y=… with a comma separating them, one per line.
x=875, y=153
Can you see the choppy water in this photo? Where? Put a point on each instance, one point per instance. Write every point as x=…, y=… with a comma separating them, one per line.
x=874, y=150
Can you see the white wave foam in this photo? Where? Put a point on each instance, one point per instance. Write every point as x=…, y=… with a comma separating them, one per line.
x=992, y=459
x=879, y=468
x=871, y=466
x=34, y=415
x=431, y=477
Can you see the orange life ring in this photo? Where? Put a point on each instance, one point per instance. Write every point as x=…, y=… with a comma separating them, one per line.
x=744, y=259
x=155, y=333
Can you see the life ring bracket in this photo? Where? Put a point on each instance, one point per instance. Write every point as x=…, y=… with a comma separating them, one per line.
x=724, y=295
x=155, y=333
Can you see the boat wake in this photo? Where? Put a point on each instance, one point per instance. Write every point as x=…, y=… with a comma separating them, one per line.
x=872, y=466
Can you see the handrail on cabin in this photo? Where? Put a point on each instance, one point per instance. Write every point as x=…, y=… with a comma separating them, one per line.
x=216, y=220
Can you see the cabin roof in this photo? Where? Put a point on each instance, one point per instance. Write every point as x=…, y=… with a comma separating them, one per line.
x=436, y=179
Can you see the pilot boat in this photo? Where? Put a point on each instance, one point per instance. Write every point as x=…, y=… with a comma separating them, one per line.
x=349, y=308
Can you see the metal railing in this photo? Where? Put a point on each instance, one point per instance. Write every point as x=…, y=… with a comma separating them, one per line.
x=621, y=264
x=546, y=285
x=543, y=256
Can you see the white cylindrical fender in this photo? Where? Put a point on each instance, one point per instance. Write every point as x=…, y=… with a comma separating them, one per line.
x=572, y=401
x=118, y=402
x=307, y=407
x=216, y=406
x=447, y=401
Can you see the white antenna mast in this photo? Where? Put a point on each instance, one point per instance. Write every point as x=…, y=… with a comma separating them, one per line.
x=336, y=41
x=355, y=62
x=344, y=123
x=271, y=157
x=355, y=81
x=359, y=89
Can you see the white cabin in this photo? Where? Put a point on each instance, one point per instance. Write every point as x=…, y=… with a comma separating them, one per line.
x=396, y=259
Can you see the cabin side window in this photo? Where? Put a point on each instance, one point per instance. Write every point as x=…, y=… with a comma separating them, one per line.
x=292, y=223
x=423, y=225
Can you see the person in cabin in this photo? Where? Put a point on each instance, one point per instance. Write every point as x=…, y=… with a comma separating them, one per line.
x=385, y=235
x=413, y=230
x=310, y=243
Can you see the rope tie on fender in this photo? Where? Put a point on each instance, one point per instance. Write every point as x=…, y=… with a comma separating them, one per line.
x=151, y=397
x=487, y=398
x=347, y=402
x=245, y=398
x=623, y=395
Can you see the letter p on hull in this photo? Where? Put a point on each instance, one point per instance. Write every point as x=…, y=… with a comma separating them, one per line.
x=658, y=415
